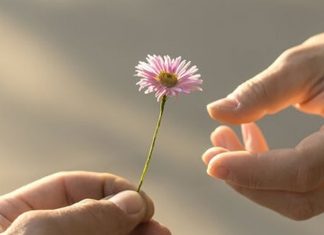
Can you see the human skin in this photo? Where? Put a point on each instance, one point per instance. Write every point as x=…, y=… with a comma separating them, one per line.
x=289, y=181
x=70, y=203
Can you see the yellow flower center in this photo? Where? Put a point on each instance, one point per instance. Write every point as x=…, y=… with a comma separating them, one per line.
x=167, y=79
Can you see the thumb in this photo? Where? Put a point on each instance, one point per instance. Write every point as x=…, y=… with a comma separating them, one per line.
x=119, y=214
x=298, y=169
x=280, y=85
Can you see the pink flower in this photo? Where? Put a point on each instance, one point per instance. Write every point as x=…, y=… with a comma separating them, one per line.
x=166, y=76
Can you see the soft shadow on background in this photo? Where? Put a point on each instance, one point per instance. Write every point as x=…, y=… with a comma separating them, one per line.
x=68, y=99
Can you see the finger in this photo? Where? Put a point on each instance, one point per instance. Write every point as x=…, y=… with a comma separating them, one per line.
x=225, y=137
x=300, y=169
x=297, y=206
x=118, y=215
x=279, y=86
x=314, y=105
x=253, y=138
x=212, y=152
x=316, y=39
x=65, y=189
x=151, y=227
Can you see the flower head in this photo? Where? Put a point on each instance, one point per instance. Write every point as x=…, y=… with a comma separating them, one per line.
x=166, y=76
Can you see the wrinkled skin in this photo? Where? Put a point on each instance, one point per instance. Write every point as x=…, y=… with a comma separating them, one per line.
x=289, y=181
x=80, y=203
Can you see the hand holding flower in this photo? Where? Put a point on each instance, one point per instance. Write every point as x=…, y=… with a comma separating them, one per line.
x=77, y=203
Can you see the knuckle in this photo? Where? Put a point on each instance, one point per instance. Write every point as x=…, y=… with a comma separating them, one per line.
x=295, y=54
x=315, y=38
x=255, y=87
x=89, y=202
x=29, y=216
x=60, y=174
x=300, y=208
x=290, y=54
x=42, y=222
x=94, y=211
x=34, y=219
x=301, y=58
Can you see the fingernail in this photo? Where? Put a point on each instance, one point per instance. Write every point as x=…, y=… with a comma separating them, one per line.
x=224, y=104
x=219, y=172
x=130, y=202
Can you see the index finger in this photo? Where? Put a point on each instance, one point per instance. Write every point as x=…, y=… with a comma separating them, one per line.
x=299, y=169
x=60, y=190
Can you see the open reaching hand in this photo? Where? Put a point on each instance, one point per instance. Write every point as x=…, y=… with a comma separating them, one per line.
x=289, y=181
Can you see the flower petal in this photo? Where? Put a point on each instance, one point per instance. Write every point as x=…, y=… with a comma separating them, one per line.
x=187, y=78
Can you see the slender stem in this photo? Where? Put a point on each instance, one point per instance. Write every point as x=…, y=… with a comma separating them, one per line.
x=149, y=155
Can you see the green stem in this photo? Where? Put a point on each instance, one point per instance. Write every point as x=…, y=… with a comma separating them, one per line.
x=149, y=155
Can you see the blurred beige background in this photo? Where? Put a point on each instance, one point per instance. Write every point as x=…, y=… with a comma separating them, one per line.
x=68, y=100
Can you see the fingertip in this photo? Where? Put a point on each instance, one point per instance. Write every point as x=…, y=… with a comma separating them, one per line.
x=225, y=137
x=211, y=153
x=217, y=171
x=225, y=163
x=217, y=136
x=232, y=110
x=130, y=202
x=224, y=104
x=220, y=109
x=149, y=206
